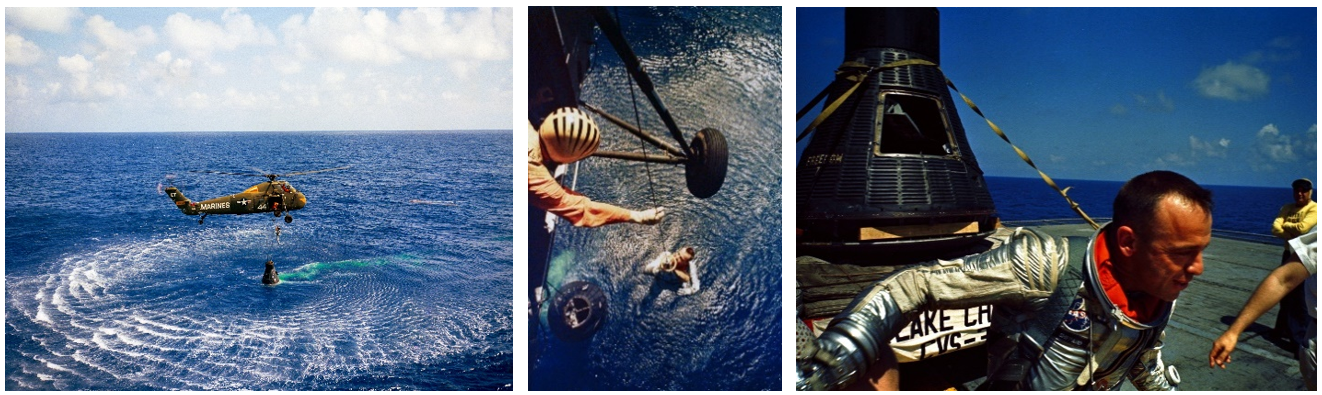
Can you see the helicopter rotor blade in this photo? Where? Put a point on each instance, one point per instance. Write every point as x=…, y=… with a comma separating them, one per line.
x=227, y=173
x=270, y=176
x=313, y=171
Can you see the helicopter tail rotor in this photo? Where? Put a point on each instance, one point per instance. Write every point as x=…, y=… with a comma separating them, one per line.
x=167, y=181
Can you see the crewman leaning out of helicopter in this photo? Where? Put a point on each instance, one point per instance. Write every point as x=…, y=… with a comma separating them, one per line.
x=568, y=135
x=1071, y=313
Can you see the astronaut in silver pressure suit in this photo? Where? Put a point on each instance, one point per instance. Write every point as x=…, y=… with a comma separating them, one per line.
x=1072, y=313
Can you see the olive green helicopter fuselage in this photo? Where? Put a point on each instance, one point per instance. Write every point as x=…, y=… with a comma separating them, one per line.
x=268, y=197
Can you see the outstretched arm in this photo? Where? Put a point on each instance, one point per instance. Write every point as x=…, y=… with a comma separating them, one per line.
x=547, y=194
x=1269, y=293
x=1024, y=269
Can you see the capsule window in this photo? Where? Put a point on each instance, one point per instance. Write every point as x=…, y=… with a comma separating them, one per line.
x=912, y=125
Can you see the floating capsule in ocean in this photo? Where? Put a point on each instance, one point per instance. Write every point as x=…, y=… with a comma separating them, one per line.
x=577, y=311
x=271, y=276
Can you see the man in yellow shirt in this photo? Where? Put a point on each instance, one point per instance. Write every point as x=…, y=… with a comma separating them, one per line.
x=1295, y=219
x=1299, y=216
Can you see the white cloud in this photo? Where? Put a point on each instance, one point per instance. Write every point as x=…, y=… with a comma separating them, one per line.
x=349, y=34
x=16, y=87
x=216, y=68
x=76, y=64
x=208, y=68
x=1119, y=109
x=84, y=84
x=200, y=38
x=1274, y=147
x=54, y=20
x=346, y=34
x=1232, y=81
x=1283, y=42
x=21, y=52
x=432, y=33
x=285, y=64
x=248, y=100
x=1216, y=149
x=462, y=68
x=194, y=100
x=1198, y=149
x=1309, y=142
x=118, y=40
x=1173, y=159
x=1160, y=103
x=333, y=77
x=174, y=67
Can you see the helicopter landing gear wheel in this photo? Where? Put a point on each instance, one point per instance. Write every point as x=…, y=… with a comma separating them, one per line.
x=204, y=218
x=289, y=218
x=704, y=171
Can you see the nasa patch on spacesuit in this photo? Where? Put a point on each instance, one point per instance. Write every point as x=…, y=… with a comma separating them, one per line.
x=1077, y=318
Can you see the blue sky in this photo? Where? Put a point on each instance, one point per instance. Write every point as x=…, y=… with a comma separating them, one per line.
x=230, y=69
x=1224, y=96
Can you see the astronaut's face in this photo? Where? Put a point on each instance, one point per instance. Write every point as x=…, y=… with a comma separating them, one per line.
x=1167, y=257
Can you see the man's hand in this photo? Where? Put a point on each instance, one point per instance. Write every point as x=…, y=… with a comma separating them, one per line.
x=648, y=217
x=1221, y=349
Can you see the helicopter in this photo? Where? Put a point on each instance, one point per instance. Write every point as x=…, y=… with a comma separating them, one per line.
x=273, y=196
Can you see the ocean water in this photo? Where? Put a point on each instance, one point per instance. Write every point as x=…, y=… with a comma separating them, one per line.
x=1241, y=212
x=714, y=67
x=108, y=286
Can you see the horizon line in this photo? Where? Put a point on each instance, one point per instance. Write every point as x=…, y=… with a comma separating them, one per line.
x=267, y=131
x=1123, y=181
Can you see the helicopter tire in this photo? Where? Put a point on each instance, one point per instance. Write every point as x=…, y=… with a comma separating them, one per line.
x=289, y=219
x=704, y=172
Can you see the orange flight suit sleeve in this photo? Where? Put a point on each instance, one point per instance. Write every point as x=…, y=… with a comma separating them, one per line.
x=547, y=194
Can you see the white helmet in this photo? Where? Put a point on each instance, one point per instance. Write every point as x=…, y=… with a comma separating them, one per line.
x=569, y=135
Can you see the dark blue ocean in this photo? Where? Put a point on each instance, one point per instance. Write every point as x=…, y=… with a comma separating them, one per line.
x=109, y=287
x=714, y=67
x=1239, y=212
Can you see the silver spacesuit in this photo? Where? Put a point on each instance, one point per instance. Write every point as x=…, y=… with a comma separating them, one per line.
x=1043, y=336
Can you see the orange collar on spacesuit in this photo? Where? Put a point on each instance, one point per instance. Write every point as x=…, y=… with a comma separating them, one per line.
x=1141, y=311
